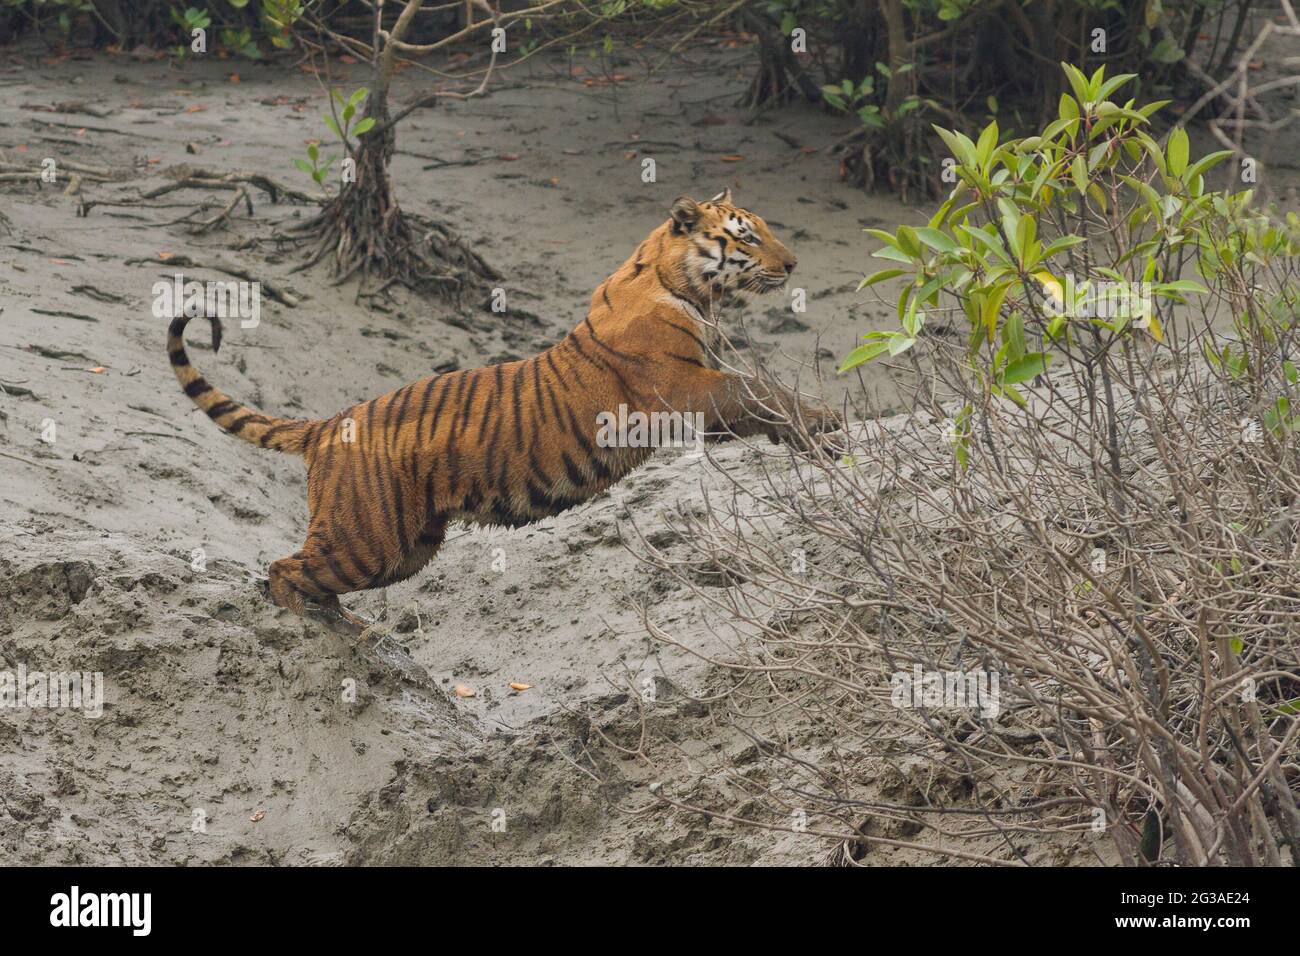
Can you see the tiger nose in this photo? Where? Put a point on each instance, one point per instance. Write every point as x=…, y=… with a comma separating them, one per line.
x=790, y=263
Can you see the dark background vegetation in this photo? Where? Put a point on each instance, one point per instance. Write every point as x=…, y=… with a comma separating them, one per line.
x=898, y=65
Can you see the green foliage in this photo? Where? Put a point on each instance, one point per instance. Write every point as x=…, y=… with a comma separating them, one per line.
x=278, y=18
x=860, y=99
x=241, y=41
x=1010, y=249
x=342, y=127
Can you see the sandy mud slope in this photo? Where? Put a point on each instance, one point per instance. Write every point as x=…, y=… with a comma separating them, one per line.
x=133, y=534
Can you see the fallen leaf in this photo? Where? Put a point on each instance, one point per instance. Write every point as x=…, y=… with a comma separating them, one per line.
x=509, y=157
x=258, y=816
x=521, y=686
x=345, y=58
x=196, y=108
x=731, y=159
x=165, y=255
x=464, y=691
x=234, y=77
x=807, y=149
x=98, y=370
x=630, y=154
x=61, y=262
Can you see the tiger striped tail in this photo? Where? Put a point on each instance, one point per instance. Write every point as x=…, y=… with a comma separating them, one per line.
x=278, y=434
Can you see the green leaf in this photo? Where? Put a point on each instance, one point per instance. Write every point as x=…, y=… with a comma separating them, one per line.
x=1206, y=162
x=1079, y=173
x=1078, y=82
x=1177, y=152
x=1025, y=368
x=1013, y=337
x=1114, y=83
x=1182, y=285
x=960, y=146
x=880, y=276
x=936, y=240
x=900, y=344
x=863, y=354
x=1061, y=244
x=364, y=126
x=988, y=142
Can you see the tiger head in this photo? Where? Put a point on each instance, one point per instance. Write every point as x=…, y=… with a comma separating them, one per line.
x=727, y=249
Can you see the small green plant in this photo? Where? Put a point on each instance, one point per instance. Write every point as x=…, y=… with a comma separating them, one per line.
x=349, y=110
x=857, y=99
x=241, y=41
x=342, y=127
x=891, y=137
x=313, y=166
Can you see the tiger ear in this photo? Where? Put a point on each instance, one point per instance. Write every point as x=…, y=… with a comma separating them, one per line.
x=723, y=197
x=685, y=213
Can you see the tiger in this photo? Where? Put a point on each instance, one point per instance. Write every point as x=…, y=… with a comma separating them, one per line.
x=513, y=443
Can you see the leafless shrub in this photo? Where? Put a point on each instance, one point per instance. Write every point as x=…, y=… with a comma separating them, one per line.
x=1118, y=561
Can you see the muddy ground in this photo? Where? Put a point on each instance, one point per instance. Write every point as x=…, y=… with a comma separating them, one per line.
x=233, y=732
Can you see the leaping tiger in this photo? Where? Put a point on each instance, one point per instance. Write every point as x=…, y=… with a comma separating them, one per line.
x=510, y=444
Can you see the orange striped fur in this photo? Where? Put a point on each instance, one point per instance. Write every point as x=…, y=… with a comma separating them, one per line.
x=513, y=443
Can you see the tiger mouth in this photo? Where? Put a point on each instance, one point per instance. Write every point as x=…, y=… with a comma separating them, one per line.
x=766, y=282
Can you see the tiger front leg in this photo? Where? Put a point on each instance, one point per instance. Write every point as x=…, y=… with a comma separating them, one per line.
x=751, y=407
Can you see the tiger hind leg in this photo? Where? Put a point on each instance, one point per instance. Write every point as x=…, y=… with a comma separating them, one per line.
x=312, y=574
x=308, y=584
